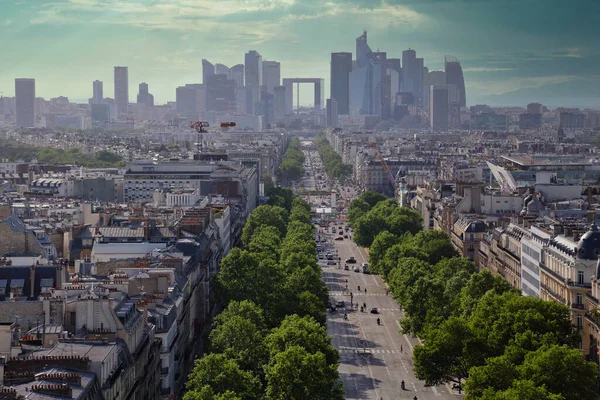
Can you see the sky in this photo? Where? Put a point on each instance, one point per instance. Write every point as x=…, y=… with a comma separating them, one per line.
x=512, y=51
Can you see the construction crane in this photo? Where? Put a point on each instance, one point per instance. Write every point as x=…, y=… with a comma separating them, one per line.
x=199, y=127
x=384, y=165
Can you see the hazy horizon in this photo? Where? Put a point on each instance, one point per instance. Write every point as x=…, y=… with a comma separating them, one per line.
x=531, y=50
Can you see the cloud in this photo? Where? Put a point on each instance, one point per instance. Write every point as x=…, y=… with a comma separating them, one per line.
x=7, y=22
x=487, y=69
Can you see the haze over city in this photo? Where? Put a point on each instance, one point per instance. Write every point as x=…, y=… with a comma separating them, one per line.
x=533, y=50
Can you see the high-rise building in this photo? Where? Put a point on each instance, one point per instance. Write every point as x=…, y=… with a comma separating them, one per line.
x=425, y=87
x=529, y=121
x=220, y=93
x=271, y=75
x=98, y=92
x=254, y=68
x=254, y=80
x=454, y=76
x=222, y=69
x=25, y=102
x=189, y=100
x=535, y=108
x=438, y=108
x=332, y=113
x=236, y=73
x=412, y=75
x=341, y=66
x=100, y=114
x=367, y=80
x=363, y=51
x=279, y=103
x=436, y=78
x=572, y=120
x=144, y=97
x=208, y=69
x=121, y=92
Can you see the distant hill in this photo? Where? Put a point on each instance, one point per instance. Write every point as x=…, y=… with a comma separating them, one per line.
x=581, y=93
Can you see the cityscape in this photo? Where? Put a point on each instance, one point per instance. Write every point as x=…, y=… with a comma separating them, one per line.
x=406, y=223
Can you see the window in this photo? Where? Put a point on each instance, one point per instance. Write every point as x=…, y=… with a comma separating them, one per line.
x=579, y=299
x=579, y=321
x=580, y=277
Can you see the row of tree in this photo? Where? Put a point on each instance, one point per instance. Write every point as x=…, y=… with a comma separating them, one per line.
x=476, y=328
x=270, y=342
x=332, y=161
x=371, y=213
x=292, y=164
x=13, y=150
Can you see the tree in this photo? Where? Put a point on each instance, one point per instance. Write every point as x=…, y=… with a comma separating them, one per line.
x=243, y=276
x=358, y=208
x=382, y=242
x=305, y=332
x=522, y=390
x=295, y=374
x=435, y=244
x=372, y=198
x=267, y=180
x=448, y=353
x=562, y=370
x=367, y=227
x=498, y=319
x=301, y=211
x=266, y=240
x=265, y=215
x=498, y=373
x=207, y=393
x=241, y=340
x=222, y=375
x=245, y=309
x=307, y=279
x=286, y=195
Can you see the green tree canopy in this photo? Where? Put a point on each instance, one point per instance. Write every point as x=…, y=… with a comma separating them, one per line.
x=265, y=215
x=222, y=375
x=305, y=332
x=296, y=374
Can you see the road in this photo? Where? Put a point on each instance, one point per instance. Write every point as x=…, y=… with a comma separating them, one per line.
x=374, y=359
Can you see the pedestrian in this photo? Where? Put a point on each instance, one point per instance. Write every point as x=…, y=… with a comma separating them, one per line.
x=401, y=349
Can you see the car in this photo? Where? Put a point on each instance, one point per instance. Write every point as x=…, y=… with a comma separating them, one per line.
x=356, y=269
x=345, y=236
x=351, y=260
x=340, y=303
x=374, y=310
x=346, y=268
x=323, y=240
x=331, y=263
x=338, y=238
x=321, y=257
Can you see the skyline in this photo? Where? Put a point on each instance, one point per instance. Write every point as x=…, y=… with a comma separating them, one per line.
x=547, y=54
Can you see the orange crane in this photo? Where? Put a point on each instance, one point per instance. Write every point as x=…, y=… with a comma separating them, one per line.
x=384, y=165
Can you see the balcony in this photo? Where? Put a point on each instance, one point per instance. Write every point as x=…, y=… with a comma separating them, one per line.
x=577, y=306
x=558, y=297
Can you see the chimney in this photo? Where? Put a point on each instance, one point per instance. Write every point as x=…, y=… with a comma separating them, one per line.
x=32, y=280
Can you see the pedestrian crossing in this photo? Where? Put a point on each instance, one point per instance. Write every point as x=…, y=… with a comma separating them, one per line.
x=372, y=351
x=347, y=293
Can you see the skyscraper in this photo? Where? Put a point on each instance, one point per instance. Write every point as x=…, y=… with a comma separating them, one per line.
x=144, y=97
x=254, y=80
x=438, y=108
x=220, y=93
x=279, y=103
x=332, y=113
x=222, y=69
x=454, y=76
x=25, y=102
x=341, y=66
x=254, y=69
x=189, y=100
x=237, y=74
x=98, y=93
x=208, y=69
x=121, y=92
x=271, y=75
x=367, y=80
